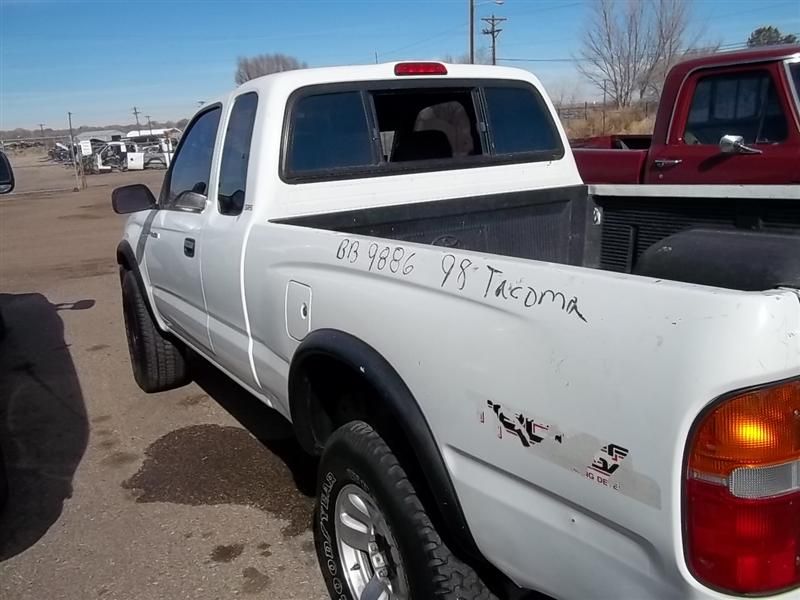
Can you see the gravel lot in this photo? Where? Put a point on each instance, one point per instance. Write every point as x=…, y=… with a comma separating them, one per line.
x=195, y=493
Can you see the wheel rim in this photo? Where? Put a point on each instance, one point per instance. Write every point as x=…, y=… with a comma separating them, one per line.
x=371, y=562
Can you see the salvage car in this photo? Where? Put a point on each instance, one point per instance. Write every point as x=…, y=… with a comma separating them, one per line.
x=513, y=381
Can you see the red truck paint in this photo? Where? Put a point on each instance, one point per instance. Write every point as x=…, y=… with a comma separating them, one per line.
x=670, y=159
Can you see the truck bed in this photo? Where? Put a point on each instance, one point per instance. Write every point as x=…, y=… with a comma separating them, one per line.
x=604, y=227
x=598, y=165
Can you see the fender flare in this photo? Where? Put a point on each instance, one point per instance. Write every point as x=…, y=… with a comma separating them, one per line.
x=396, y=399
x=126, y=259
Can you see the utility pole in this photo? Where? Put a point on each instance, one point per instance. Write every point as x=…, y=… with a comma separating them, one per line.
x=493, y=30
x=472, y=32
x=72, y=153
x=136, y=114
x=149, y=124
x=41, y=128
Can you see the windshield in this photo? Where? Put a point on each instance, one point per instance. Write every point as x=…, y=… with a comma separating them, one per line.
x=794, y=69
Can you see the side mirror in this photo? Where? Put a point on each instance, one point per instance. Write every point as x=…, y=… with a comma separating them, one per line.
x=132, y=198
x=734, y=144
x=6, y=175
x=188, y=201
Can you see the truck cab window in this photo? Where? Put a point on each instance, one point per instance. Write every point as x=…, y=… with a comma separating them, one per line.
x=191, y=167
x=519, y=121
x=329, y=131
x=744, y=104
x=236, y=155
x=426, y=124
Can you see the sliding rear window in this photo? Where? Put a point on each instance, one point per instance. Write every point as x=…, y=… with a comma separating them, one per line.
x=340, y=132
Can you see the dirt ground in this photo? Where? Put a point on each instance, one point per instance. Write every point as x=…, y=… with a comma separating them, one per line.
x=198, y=493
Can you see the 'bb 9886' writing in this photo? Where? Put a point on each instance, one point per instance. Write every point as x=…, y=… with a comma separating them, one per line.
x=377, y=256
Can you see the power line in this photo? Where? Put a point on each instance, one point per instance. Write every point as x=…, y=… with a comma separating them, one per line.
x=688, y=51
x=423, y=41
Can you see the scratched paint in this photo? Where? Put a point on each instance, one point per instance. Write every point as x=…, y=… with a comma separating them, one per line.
x=600, y=463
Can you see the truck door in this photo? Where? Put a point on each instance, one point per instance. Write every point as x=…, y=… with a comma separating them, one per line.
x=753, y=102
x=174, y=252
x=224, y=241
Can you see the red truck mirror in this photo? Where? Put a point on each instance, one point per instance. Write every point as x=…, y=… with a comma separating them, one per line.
x=734, y=144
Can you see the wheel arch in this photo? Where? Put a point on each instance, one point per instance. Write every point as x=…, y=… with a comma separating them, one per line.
x=126, y=259
x=397, y=405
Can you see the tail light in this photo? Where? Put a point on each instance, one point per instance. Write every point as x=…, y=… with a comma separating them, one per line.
x=420, y=68
x=742, y=496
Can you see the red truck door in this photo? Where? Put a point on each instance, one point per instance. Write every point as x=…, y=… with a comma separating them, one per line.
x=754, y=102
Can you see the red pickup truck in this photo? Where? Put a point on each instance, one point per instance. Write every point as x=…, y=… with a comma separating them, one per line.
x=725, y=118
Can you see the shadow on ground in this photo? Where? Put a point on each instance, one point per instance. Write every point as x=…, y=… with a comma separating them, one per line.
x=259, y=464
x=267, y=425
x=43, y=424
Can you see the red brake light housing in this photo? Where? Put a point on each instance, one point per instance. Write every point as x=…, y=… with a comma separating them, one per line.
x=742, y=492
x=420, y=68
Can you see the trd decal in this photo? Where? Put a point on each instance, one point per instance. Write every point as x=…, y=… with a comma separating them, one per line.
x=611, y=466
x=608, y=459
x=528, y=430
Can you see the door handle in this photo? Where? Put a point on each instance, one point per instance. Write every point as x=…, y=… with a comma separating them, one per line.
x=188, y=247
x=662, y=163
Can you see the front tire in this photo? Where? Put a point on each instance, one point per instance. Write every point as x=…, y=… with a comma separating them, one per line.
x=158, y=362
x=373, y=538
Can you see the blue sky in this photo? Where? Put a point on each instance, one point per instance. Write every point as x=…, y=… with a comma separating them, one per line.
x=99, y=58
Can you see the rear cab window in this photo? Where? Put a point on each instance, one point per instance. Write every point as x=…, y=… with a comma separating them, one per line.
x=387, y=128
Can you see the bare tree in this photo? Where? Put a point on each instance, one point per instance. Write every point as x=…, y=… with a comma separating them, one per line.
x=670, y=24
x=616, y=48
x=630, y=45
x=264, y=64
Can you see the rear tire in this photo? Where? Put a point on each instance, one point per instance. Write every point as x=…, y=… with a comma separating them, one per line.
x=158, y=362
x=368, y=515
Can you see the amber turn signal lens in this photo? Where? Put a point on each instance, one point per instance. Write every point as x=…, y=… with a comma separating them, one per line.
x=758, y=428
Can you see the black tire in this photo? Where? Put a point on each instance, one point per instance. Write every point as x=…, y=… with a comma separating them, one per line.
x=158, y=363
x=356, y=455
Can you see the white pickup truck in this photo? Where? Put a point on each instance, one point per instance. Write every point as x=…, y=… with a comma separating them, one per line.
x=513, y=381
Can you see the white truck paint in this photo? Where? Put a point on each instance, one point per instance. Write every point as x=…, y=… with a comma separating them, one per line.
x=596, y=362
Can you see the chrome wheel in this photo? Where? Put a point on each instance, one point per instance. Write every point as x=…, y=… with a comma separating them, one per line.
x=371, y=562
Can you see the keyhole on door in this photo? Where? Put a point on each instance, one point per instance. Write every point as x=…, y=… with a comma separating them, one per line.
x=304, y=311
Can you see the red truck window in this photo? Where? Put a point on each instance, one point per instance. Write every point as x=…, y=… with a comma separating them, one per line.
x=795, y=71
x=744, y=104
